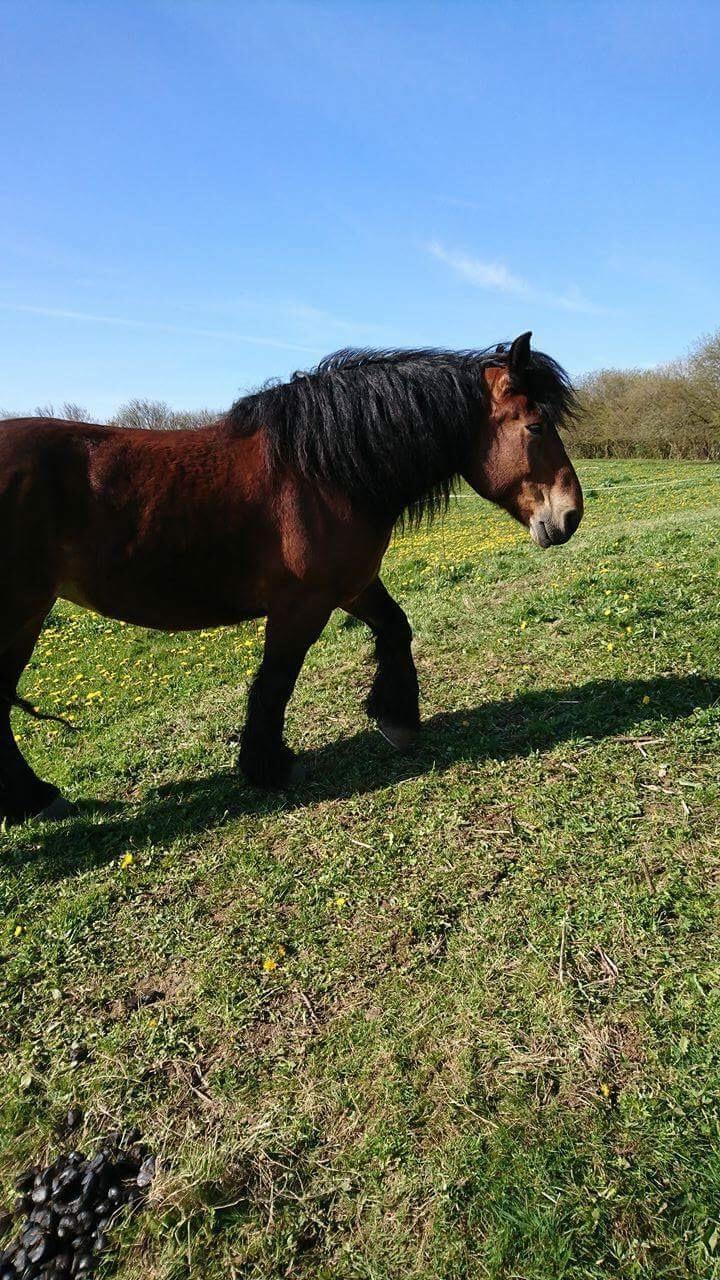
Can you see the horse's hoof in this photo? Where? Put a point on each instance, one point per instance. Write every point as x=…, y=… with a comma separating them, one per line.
x=399, y=736
x=57, y=809
x=297, y=775
x=275, y=773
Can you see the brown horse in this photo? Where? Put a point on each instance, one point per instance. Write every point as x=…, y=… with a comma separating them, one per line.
x=282, y=509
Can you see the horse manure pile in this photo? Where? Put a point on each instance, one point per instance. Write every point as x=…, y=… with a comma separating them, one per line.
x=70, y=1207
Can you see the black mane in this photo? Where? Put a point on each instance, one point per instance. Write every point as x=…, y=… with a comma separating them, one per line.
x=391, y=429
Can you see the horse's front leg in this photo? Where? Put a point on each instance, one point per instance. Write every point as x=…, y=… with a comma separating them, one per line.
x=290, y=631
x=393, y=700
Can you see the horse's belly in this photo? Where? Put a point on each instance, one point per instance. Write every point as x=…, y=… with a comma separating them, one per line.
x=168, y=602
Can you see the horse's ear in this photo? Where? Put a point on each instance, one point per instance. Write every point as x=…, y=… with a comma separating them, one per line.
x=519, y=357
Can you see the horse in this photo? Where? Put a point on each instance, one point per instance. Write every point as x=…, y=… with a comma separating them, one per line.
x=283, y=508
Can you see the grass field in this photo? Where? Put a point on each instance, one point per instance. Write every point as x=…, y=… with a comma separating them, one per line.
x=451, y=1015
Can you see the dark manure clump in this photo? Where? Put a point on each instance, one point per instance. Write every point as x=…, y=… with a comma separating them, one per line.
x=69, y=1209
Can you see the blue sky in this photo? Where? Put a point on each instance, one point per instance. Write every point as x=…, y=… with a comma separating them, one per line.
x=198, y=196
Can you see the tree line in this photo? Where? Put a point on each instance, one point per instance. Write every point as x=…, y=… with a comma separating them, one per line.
x=672, y=411
x=147, y=415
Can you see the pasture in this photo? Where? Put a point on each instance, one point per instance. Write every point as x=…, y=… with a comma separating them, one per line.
x=448, y=1015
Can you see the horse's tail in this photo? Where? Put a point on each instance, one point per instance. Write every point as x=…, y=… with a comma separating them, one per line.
x=23, y=705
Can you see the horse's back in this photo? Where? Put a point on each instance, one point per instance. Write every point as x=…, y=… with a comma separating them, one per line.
x=28, y=441
x=161, y=528
x=43, y=464
x=14, y=432
x=51, y=422
x=75, y=459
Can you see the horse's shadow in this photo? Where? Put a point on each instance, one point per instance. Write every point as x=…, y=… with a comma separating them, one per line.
x=503, y=730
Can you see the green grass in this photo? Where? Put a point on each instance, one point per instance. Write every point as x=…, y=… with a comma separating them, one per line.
x=451, y=1015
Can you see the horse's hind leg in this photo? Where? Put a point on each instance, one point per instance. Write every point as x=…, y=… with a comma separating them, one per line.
x=393, y=700
x=22, y=793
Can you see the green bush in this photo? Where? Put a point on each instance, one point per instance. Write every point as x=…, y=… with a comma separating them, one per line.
x=669, y=412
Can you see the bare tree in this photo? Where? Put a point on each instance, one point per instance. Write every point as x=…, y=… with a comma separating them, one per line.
x=193, y=418
x=76, y=413
x=146, y=414
x=158, y=416
x=68, y=410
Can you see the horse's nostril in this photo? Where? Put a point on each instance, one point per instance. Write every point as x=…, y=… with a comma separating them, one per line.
x=572, y=520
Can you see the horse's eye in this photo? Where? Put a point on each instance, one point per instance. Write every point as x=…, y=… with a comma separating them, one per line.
x=535, y=428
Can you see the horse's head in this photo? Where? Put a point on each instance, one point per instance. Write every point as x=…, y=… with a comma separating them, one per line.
x=520, y=460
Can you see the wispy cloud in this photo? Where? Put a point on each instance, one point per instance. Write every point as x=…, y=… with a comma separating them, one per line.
x=312, y=322
x=457, y=202
x=497, y=277
x=58, y=313
x=485, y=275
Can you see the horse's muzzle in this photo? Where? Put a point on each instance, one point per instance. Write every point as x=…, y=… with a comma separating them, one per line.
x=549, y=531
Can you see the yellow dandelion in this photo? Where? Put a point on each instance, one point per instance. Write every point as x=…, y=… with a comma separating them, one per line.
x=126, y=860
x=646, y=699
x=269, y=964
